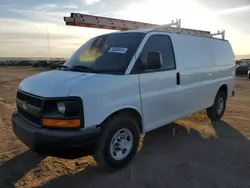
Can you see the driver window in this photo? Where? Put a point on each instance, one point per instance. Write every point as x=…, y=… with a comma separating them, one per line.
x=161, y=44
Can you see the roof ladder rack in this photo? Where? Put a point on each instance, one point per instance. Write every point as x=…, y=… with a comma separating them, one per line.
x=84, y=20
x=176, y=24
x=222, y=33
x=178, y=29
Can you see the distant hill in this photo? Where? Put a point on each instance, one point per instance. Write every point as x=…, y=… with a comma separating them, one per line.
x=242, y=56
x=32, y=58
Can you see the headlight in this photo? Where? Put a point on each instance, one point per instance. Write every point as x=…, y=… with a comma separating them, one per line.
x=64, y=113
x=61, y=108
x=68, y=108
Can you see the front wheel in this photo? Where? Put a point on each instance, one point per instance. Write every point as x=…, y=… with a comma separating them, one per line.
x=216, y=111
x=119, y=142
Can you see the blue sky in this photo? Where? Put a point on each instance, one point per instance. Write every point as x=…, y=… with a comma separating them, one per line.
x=24, y=24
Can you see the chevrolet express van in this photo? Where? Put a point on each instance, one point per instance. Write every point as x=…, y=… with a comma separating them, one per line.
x=119, y=85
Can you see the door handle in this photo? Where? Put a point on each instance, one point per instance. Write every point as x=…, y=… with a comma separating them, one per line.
x=178, y=78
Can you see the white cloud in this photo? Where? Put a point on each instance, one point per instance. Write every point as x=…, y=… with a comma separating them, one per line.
x=70, y=6
x=54, y=6
x=233, y=10
x=89, y=2
x=46, y=6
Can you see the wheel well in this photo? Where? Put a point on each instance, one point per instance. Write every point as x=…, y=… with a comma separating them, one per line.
x=224, y=88
x=132, y=113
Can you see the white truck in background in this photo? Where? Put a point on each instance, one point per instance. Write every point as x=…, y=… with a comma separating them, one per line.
x=119, y=85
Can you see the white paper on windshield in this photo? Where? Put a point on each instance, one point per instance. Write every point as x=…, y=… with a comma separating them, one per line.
x=118, y=50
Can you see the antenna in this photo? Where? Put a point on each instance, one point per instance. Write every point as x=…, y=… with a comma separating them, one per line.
x=48, y=43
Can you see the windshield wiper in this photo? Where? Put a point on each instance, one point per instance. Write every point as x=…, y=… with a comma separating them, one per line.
x=83, y=68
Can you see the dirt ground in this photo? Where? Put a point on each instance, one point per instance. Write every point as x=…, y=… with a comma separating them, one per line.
x=189, y=153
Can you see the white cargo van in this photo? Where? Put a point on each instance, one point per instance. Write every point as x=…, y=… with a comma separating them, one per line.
x=119, y=85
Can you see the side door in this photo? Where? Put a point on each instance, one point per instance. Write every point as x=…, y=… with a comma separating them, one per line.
x=160, y=96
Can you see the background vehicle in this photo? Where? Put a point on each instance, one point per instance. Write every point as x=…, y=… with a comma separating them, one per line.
x=56, y=65
x=41, y=63
x=243, y=68
x=238, y=62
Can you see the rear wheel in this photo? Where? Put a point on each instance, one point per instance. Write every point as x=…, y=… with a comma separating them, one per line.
x=216, y=111
x=119, y=142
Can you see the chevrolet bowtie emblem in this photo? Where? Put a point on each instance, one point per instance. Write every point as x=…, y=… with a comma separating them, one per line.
x=25, y=106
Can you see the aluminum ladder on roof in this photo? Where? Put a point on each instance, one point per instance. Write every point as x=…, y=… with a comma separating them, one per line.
x=84, y=20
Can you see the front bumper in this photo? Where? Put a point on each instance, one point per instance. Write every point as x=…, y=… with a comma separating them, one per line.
x=60, y=143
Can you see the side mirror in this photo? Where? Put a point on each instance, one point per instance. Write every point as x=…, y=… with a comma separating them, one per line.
x=153, y=61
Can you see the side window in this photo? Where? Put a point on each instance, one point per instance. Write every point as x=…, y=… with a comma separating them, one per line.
x=161, y=44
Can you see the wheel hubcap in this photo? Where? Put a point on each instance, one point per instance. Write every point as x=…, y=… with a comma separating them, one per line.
x=220, y=106
x=121, y=144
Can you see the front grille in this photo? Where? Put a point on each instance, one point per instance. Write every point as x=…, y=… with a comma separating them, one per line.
x=32, y=100
x=30, y=117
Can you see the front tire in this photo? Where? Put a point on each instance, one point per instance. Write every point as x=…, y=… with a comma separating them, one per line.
x=119, y=142
x=216, y=111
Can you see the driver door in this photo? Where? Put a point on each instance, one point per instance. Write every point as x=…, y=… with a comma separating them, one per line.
x=160, y=96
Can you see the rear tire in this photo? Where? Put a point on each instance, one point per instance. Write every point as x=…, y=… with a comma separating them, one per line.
x=118, y=144
x=216, y=111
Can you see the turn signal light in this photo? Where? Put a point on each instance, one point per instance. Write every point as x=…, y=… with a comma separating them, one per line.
x=61, y=123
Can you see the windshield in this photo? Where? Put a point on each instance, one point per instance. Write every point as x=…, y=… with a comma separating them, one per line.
x=106, y=53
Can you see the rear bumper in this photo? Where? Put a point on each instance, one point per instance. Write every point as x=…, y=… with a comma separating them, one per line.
x=52, y=141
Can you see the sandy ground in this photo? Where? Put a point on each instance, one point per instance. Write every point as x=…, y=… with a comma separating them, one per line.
x=189, y=153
